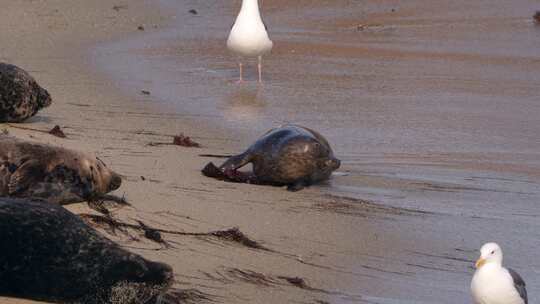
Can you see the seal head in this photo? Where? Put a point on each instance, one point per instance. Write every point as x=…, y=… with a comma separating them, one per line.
x=21, y=97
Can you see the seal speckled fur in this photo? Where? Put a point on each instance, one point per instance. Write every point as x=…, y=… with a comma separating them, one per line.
x=289, y=155
x=21, y=97
x=50, y=254
x=54, y=174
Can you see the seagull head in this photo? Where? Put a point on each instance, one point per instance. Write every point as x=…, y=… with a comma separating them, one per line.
x=490, y=253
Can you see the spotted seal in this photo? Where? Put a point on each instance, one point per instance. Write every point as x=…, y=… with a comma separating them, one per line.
x=50, y=254
x=290, y=155
x=54, y=174
x=21, y=97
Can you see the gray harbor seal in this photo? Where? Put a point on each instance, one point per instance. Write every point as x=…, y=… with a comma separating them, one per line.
x=50, y=254
x=21, y=97
x=54, y=174
x=290, y=155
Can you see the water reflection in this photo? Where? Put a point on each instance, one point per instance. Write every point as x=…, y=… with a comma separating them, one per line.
x=245, y=103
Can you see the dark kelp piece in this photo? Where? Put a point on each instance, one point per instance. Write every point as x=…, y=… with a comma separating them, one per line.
x=234, y=176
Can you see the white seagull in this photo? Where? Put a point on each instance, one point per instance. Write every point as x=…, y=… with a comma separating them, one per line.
x=248, y=35
x=494, y=284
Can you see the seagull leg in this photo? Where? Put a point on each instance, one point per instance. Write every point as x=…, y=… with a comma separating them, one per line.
x=260, y=69
x=240, y=80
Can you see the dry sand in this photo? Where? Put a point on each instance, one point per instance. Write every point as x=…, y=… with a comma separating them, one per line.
x=347, y=250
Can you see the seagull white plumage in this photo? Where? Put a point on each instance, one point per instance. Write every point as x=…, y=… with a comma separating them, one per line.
x=248, y=36
x=494, y=284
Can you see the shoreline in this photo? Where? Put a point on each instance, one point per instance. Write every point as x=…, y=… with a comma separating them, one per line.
x=416, y=230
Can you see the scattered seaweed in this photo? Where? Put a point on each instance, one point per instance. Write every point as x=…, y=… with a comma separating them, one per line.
x=296, y=281
x=140, y=27
x=233, y=176
x=261, y=279
x=115, y=199
x=152, y=234
x=145, y=92
x=193, y=12
x=119, y=7
x=178, y=140
x=185, y=141
x=57, y=131
x=301, y=283
x=217, y=277
x=98, y=206
x=103, y=203
x=361, y=27
x=105, y=222
x=216, y=155
x=536, y=17
x=251, y=277
x=111, y=225
x=235, y=235
x=5, y=132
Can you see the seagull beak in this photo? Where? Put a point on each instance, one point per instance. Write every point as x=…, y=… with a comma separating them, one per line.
x=480, y=262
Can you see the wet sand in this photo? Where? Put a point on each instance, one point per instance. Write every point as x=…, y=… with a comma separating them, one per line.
x=431, y=106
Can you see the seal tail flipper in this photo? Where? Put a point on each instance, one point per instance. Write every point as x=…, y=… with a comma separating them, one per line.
x=28, y=173
x=236, y=161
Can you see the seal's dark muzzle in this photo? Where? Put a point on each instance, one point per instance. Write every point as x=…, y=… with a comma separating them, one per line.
x=333, y=163
x=116, y=182
x=44, y=98
x=158, y=274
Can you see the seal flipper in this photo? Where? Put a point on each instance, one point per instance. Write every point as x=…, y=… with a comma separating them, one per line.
x=236, y=161
x=297, y=186
x=31, y=171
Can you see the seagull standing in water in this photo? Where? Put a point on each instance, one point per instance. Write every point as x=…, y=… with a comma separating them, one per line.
x=248, y=37
x=494, y=284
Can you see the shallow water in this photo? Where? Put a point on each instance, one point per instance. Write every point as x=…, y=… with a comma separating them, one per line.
x=430, y=105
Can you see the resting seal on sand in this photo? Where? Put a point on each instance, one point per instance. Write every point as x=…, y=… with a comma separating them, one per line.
x=48, y=253
x=54, y=174
x=290, y=155
x=20, y=95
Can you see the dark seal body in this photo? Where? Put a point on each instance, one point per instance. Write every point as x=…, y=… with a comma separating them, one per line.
x=50, y=254
x=21, y=97
x=290, y=155
x=54, y=174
